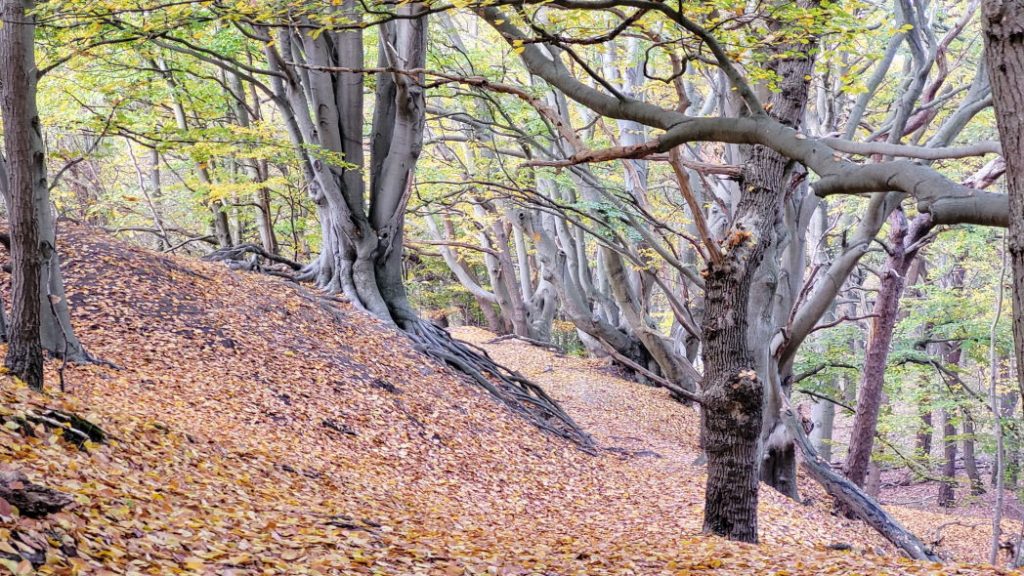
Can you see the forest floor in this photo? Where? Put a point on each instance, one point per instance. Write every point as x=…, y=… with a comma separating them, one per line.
x=258, y=428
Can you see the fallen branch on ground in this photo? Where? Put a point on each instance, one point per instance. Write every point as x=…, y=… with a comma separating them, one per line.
x=853, y=498
x=939, y=536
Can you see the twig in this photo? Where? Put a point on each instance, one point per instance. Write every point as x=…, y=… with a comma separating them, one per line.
x=714, y=251
x=840, y=320
x=937, y=539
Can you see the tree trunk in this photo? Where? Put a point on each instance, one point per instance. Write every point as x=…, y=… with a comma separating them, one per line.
x=886, y=308
x=256, y=170
x=923, y=444
x=1011, y=433
x=734, y=391
x=219, y=219
x=970, y=462
x=733, y=396
x=947, y=495
x=24, y=159
x=824, y=416
x=873, y=481
x=1003, y=29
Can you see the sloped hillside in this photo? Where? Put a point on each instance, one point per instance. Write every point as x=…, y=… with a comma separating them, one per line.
x=262, y=429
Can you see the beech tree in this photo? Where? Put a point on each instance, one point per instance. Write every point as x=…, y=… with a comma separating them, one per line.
x=23, y=167
x=730, y=508
x=1003, y=24
x=40, y=318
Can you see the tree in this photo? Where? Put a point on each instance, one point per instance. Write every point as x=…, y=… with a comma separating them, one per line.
x=748, y=358
x=56, y=333
x=904, y=242
x=24, y=168
x=1003, y=25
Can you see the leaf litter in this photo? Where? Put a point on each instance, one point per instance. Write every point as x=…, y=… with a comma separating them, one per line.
x=253, y=432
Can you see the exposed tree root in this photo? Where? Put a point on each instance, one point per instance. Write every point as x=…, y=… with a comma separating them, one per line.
x=530, y=341
x=678, y=392
x=853, y=498
x=31, y=500
x=73, y=427
x=509, y=387
x=236, y=258
x=506, y=385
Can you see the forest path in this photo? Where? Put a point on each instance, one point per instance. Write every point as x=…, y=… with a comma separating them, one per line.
x=664, y=434
x=261, y=430
x=617, y=412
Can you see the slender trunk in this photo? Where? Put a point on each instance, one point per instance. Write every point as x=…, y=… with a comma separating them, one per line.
x=994, y=373
x=869, y=392
x=970, y=461
x=923, y=444
x=256, y=170
x=824, y=416
x=886, y=308
x=163, y=241
x=155, y=192
x=491, y=316
x=219, y=219
x=873, y=481
x=221, y=226
x=17, y=79
x=947, y=494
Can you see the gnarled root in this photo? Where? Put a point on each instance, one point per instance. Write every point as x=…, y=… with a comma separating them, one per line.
x=254, y=258
x=508, y=386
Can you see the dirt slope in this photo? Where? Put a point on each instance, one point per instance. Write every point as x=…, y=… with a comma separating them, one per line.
x=263, y=430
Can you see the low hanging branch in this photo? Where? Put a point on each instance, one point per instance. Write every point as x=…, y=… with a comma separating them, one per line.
x=506, y=385
x=539, y=344
x=676, y=390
